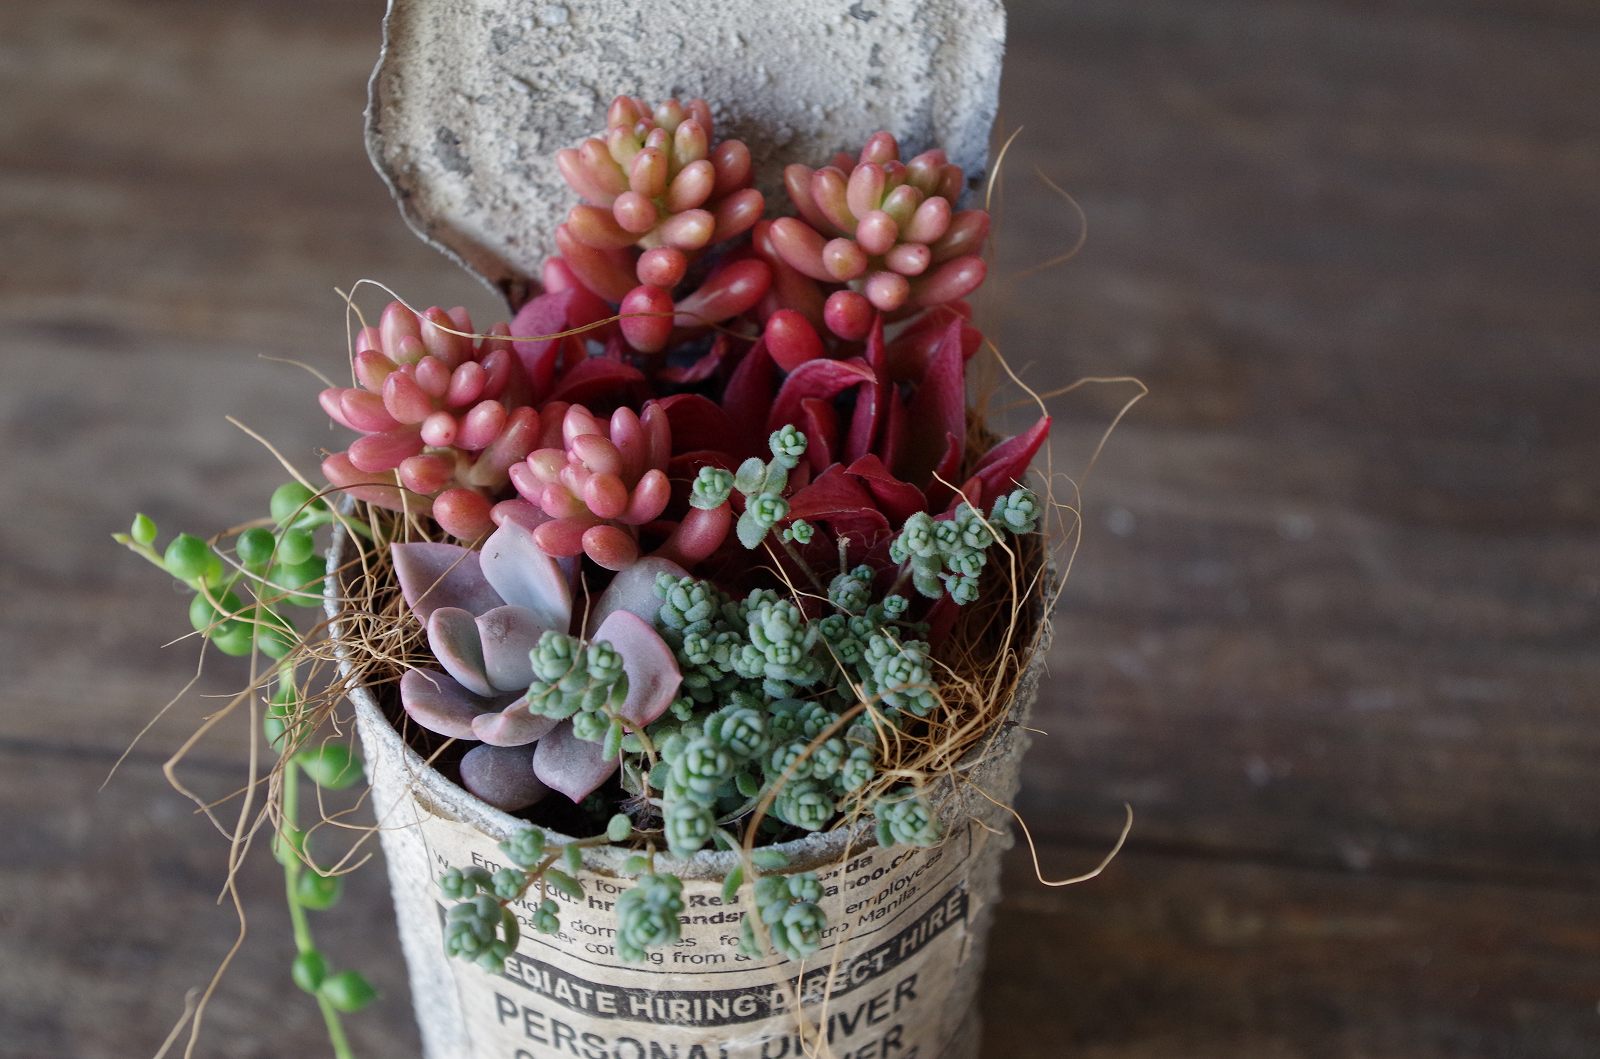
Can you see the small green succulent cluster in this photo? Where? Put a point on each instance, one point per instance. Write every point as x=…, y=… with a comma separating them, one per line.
x=790, y=910
x=481, y=926
x=904, y=818
x=762, y=484
x=948, y=555
x=581, y=680
x=765, y=689
x=647, y=915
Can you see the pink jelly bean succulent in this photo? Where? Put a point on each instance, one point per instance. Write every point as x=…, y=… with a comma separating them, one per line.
x=886, y=231
x=442, y=416
x=594, y=484
x=658, y=192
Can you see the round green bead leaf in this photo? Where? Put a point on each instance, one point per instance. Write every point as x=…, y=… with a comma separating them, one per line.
x=188, y=557
x=309, y=970
x=331, y=766
x=255, y=547
x=347, y=991
x=288, y=500
x=318, y=892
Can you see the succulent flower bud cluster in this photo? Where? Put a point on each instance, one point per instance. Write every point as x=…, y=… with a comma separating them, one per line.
x=887, y=229
x=441, y=415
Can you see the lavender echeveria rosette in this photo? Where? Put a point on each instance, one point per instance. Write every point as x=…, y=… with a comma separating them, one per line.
x=490, y=617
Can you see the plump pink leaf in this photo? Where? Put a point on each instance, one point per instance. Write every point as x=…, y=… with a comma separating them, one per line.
x=463, y=513
x=823, y=379
x=512, y=726
x=502, y=776
x=438, y=703
x=1002, y=468
x=442, y=575
x=380, y=489
x=573, y=766
x=699, y=534
x=519, y=570
x=633, y=590
x=384, y=452
x=610, y=546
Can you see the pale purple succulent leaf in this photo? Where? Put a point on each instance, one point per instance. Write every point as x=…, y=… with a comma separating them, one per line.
x=634, y=590
x=653, y=675
x=573, y=766
x=453, y=636
x=508, y=634
x=512, y=726
x=526, y=577
x=502, y=776
x=440, y=704
x=435, y=575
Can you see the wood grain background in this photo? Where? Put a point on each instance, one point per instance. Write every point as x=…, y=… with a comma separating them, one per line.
x=1332, y=633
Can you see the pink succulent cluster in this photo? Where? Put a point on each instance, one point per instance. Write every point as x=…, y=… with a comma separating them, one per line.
x=887, y=230
x=659, y=192
x=441, y=415
x=594, y=484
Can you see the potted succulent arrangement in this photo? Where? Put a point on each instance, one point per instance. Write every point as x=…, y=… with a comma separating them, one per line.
x=690, y=619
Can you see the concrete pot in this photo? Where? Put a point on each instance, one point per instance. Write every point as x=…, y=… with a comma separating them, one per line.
x=898, y=977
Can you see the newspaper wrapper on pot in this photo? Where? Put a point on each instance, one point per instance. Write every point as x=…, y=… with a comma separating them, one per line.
x=896, y=977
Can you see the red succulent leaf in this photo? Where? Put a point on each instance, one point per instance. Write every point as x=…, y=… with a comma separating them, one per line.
x=600, y=382
x=913, y=348
x=1001, y=469
x=891, y=439
x=896, y=499
x=722, y=348
x=747, y=398
x=872, y=400
x=551, y=314
x=697, y=423
x=842, y=502
x=819, y=422
x=938, y=409
x=939, y=488
x=824, y=379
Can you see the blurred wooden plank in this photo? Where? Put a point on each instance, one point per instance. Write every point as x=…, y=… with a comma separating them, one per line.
x=1173, y=956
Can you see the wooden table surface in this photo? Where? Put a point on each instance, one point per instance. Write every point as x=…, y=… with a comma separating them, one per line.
x=1332, y=632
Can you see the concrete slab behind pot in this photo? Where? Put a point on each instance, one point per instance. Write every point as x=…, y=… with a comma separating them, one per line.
x=471, y=98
